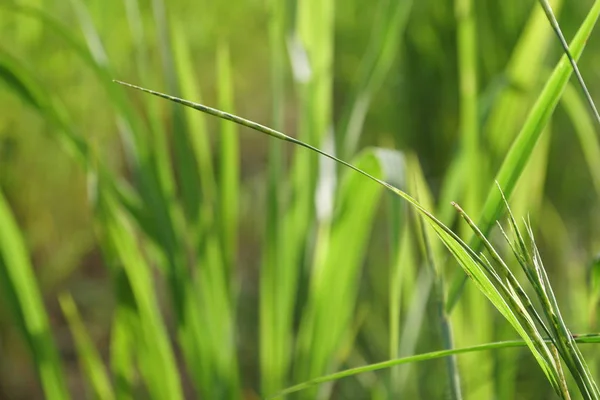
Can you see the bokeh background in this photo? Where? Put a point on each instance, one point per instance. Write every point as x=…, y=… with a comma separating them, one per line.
x=310, y=69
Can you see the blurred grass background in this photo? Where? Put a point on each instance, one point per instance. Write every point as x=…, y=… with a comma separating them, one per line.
x=205, y=260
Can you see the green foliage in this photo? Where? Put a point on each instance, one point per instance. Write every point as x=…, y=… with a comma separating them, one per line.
x=221, y=277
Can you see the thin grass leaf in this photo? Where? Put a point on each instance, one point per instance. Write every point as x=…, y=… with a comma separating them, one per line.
x=19, y=81
x=563, y=42
x=522, y=72
x=386, y=38
x=565, y=344
x=188, y=75
x=505, y=300
x=156, y=358
x=584, y=127
x=229, y=162
x=123, y=341
x=555, y=326
x=20, y=291
x=213, y=330
x=89, y=358
x=402, y=271
x=433, y=255
x=275, y=321
x=339, y=254
x=185, y=163
x=468, y=101
x=313, y=179
x=22, y=80
x=588, y=338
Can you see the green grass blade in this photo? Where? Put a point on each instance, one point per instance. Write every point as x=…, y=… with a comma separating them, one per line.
x=520, y=151
x=584, y=127
x=386, y=38
x=502, y=295
x=199, y=140
x=15, y=77
x=229, y=162
x=522, y=74
x=403, y=268
x=89, y=358
x=156, y=358
x=21, y=80
x=275, y=321
x=591, y=338
x=433, y=255
x=468, y=99
x=339, y=255
x=185, y=164
x=123, y=340
x=215, y=334
x=275, y=134
x=563, y=42
x=21, y=292
x=563, y=338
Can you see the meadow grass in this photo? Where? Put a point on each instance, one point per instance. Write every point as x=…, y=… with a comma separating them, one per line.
x=336, y=294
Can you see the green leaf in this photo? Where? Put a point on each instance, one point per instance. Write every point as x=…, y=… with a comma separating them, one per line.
x=593, y=338
x=23, y=297
x=89, y=359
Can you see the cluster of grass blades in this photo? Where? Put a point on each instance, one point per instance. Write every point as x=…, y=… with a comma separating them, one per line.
x=180, y=217
x=547, y=337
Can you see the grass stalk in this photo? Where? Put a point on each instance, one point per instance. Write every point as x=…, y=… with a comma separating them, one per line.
x=275, y=321
x=580, y=339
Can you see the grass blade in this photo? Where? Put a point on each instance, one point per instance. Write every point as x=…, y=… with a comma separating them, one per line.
x=157, y=361
x=339, y=256
x=25, y=301
x=89, y=358
x=588, y=338
x=275, y=321
x=433, y=255
x=384, y=44
x=468, y=99
x=563, y=42
x=584, y=127
x=229, y=162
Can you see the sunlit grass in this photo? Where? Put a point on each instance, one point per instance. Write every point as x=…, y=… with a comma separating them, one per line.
x=338, y=283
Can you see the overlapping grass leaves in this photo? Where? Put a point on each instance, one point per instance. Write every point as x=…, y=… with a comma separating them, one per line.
x=491, y=275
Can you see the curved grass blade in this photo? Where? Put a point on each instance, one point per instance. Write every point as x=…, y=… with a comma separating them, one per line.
x=16, y=78
x=580, y=339
x=476, y=267
x=281, y=136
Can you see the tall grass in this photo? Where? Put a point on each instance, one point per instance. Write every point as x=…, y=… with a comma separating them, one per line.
x=332, y=293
